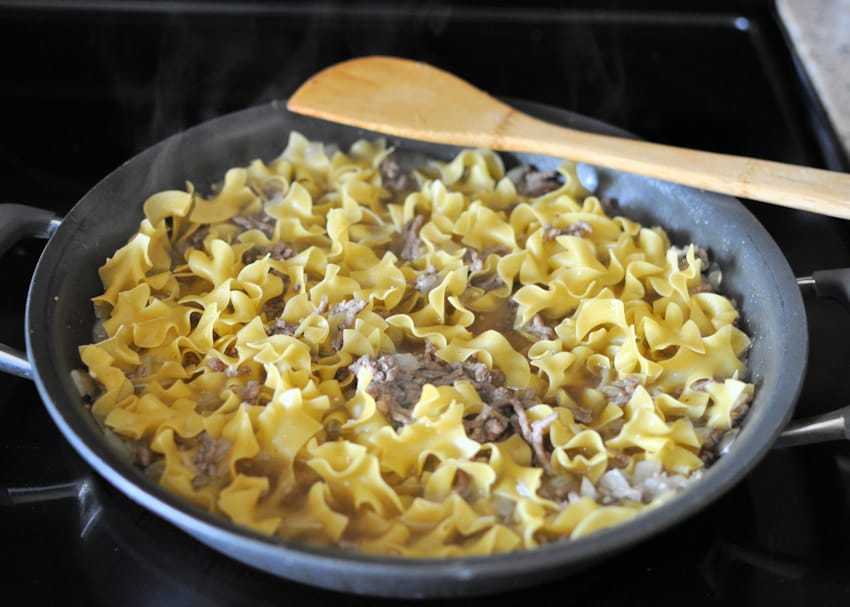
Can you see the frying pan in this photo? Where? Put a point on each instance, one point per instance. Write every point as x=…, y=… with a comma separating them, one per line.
x=59, y=318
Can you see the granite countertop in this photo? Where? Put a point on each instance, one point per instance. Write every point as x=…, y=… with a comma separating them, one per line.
x=820, y=33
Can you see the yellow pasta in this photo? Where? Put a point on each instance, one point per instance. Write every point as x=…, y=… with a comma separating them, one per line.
x=457, y=360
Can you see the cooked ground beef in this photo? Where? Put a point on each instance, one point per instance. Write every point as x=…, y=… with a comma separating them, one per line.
x=558, y=488
x=463, y=485
x=487, y=282
x=321, y=308
x=699, y=253
x=282, y=327
x=138, y=372
x=582, y=416
x=397, y=380
x=394, y=390
x=531, y=182
x=620, y=391
x=703, y=287
x=710, y=274
x=617, y=458
x=272, y=189
x=333, y=429
x=278, y=250
x=232, y=371
x=708, y=451
x=392, y=177
x=196, y=240
x=206, y=460
x=582, y=229
x=217, y=365
x=475, y=260
x=350, y=308
x=490, y=425
x=539, y=328
x=410, y=238
x=250, y=392
x=739, y=410
x=261, y=221
x=427, y=280
x=274, y=307
x=143, y=454
x=701, y=384
x=533, y=433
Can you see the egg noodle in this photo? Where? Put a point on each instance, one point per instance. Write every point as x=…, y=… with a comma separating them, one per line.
x=448, y=366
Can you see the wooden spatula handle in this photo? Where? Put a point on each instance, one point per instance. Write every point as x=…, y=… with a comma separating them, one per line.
x=805, y=188
x=418, y=101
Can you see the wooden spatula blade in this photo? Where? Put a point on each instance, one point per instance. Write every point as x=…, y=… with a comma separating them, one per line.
x=388, y=95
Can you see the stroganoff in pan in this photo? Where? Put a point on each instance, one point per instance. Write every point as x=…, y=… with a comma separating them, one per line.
x=449, y=361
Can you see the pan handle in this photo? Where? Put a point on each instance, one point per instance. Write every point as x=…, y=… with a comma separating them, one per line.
x=835, y=425
x=18, y=221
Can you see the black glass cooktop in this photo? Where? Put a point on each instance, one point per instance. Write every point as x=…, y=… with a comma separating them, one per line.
x=84, y=88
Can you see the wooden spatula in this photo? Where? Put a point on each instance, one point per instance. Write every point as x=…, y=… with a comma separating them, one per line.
x=418, y=101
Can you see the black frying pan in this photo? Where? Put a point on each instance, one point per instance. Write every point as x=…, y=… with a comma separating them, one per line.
x=59, y=318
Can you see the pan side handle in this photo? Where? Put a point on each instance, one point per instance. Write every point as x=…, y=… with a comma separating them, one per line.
x=18, y=221
x=835, y=425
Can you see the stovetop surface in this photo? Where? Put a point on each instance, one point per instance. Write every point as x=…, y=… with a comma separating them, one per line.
x=83, y=90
